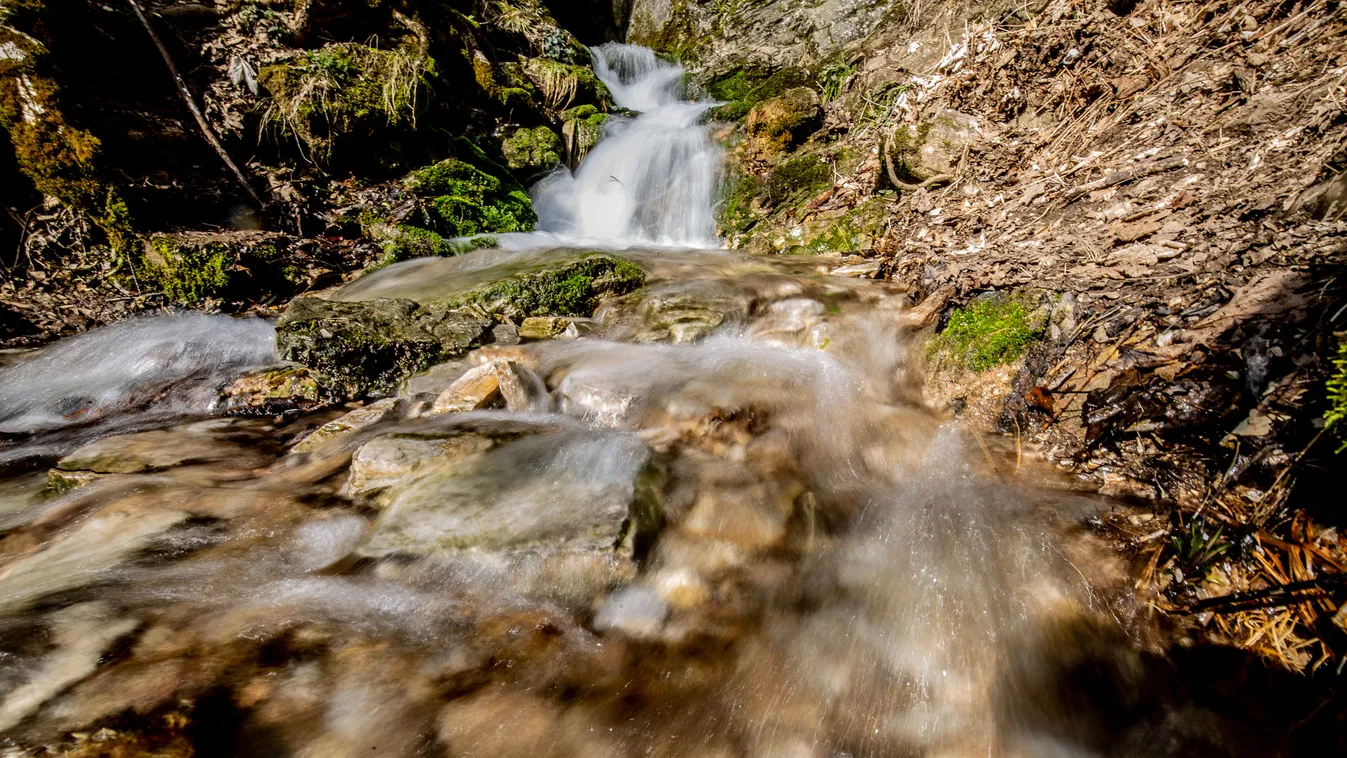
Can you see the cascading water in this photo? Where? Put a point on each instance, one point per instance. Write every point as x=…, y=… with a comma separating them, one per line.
x=652, y=179
x=760, y=544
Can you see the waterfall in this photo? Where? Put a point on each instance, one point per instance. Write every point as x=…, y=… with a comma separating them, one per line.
x=652, y=179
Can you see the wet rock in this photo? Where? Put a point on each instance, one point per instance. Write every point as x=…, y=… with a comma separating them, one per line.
x=478, y=388
x=734, y=504
x=146, y=452
x=786, y=321
x=572, y=289
x=529, y=152
x=783, y=122
x=398, y=458
x=546, y=328
x=685, y=311
x=522, y=388
x=369, y=348
x=572, y=498
x=636, y=611
x=333, y=431
x=272, y=390
x=533, y=727
x=80, y=634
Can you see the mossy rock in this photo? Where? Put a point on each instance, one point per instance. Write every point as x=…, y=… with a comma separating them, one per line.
x=462, y=200
x=343, y=91
x=742, y=88
x=932, y=147
x=783, y=122
x=529, y=152
x=583, y=128
x=405, y=242
x=564, y=85
x=797, y=179
x=573, y=289
x=368, y=348
x=62, y=160
x=192, y=266
x=851, y=230
x=992, y=330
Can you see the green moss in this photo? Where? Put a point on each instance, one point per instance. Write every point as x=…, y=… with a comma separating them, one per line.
x=574, y=289
x=61, y=160
x=344, y=89
x=188, y=274
x=743, y=88
x=413, y=242
x=737, y=214
x=464, y=200
x=1337, y=396
x=989, y=332
x=530, y=151
x=797, y=177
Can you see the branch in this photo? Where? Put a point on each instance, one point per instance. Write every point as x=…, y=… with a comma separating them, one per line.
x=191, y=104
x=1126, y=175
x=893, y=175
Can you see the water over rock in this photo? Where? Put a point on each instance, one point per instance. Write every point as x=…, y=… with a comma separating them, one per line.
x=368, y=348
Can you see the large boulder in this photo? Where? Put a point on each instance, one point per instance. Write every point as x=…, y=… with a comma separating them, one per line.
x=783, y=122
x=932, y=148
x=368, y=348
x=572, y=289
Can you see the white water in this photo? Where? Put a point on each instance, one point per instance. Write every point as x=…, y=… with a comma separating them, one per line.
x=652, y=179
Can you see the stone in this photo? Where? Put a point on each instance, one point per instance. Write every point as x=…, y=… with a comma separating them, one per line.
x=683, y=312
x=933, y=147
x=272, y=390
x=736, y=505
x=391, y=459
x=153, y=451
x=524, y=391
x=546, y=328
x=566, y=501
x=333, y=431
x=477, y=389
x=783, y=122
x=368, y=348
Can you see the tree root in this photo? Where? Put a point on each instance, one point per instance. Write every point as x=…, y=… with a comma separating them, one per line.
x=933, y=181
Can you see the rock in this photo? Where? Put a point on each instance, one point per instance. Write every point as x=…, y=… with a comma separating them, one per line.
x=523, y=390
x=368, y=348
x=636, y=611
x=529, y=152
x=272, y=390
x=81, y=634
x=933, y=147
x=546, y=328
x=147, y=452
x=570, y=500
x=192, y=266
x=333, y=431
x=684, y=311
x=478, y=388
x=571, y=289
x=736, y=505
x=783, y=122
x=386, y=461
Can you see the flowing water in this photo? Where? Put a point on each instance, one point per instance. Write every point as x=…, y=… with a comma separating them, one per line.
x=718, y=523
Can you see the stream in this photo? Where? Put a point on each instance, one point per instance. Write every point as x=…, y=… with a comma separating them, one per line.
x=716, y=519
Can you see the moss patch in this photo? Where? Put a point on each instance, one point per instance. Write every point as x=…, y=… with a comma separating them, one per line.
x=797, y=178
x=189, y=267
x=574, y=289
x=989, y=332
x=742, y=88
x=462, y=200
x=531, y=151
x=1337, y=396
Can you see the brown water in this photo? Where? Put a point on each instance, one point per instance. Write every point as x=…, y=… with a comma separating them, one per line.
x=721, y=522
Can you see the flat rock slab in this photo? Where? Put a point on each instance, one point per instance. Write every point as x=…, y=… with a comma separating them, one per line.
x=559, y=491
x=368, y=348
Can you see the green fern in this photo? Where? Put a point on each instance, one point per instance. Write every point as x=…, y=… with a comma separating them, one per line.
x=1337, y=394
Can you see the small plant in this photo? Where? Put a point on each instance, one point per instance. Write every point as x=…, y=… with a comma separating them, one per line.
x=835, y=77
x=1198, y=546
x=989, y=332
x=1337, y=395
